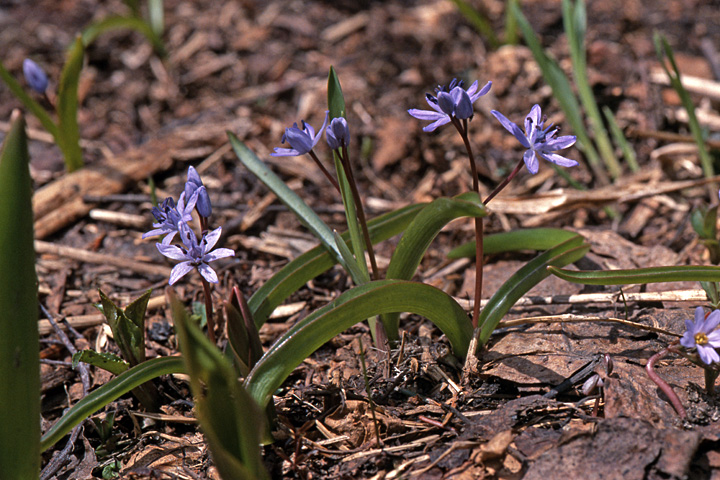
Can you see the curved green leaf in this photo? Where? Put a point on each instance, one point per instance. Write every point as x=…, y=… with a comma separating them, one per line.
x=680, y=273
x=524, y=239
x=94, y=30
x=353, y=306
x=418, y=236
x=316, y=261
x=19, y=344
x=34, y=107
x=68, y=138
x=291, y=200
x=105, y=360
x=110, y=392
x=524, y=279
x=230, y=419
x=336, y=100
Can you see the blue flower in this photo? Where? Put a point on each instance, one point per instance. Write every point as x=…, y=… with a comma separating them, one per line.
x=301, y=140
x=539, y=140
x=195, y=255
x=35, y=76
x=337, y=133
x=195, y=184
x=169, y=217
x=452, y=101
x=702, y=335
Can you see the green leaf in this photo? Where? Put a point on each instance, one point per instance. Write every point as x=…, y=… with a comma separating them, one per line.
x=19, y=344
x=620, y=140
x=479, y=21
x=94, y=30
x=663, y=50
x=156, y=17
x=418, y=236
x=347, y=255
x=353, y=306
x=562, y=90
x=110, y=392
x=68, y=138
x=682, y=273
x=230, y=419
x=316, y=261
x=129, y=333
x=34, y=107
x=336, y=101
x=524, y=279
x=107, y=361
x=524, y=239
x=242, y=333
x=292, y=201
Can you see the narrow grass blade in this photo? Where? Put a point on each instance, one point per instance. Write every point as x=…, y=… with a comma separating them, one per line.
x=353, y=306
x=230, y=419
x=34, y=107
x=110, y=392
x=524, y=239
x=575, y=21
x=68, y=138
x=302, y=211
x=663, y=50
x=621, y=141
x=524, y=279
x=562, y=90
x=680, y=273
x=19, y=344
x=138, y=24
x=316, y=261
x=480, y=22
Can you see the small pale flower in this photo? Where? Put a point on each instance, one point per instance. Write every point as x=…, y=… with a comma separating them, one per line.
x=169, y=216
x=35, y=76
x=195, y=184
x=337, y=133
x=702, y=335
x=452, y=101
x=301, y=140
x=194, y=254
x=539, y=140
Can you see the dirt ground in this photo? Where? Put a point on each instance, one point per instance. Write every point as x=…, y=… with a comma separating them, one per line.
x=254, y=68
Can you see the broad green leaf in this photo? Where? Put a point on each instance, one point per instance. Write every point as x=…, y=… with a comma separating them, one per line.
x=336, y=101
x=418, y=236
x=34, y=107
x=19, y=344
x=347, y=255
x=129, y=334
x=229, y=417
x=524, y=239
x=682, y=273
x=292, y=201
x=110, y=392
x=524, y=279
x=67, y=106
x=105, y=360
x=353, y=306
x=316, y=261
x=94, y=30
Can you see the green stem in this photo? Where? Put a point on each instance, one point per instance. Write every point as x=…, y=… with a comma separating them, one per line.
x=360, y=211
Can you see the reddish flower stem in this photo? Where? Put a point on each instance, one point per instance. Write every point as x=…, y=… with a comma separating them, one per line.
x=209, y=310
x=324, y=170
x=662, y=384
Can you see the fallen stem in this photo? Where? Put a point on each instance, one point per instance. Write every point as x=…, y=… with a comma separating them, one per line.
x=662, y=384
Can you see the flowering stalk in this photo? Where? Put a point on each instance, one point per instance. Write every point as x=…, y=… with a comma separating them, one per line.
x=208, y=309
x=662, y=384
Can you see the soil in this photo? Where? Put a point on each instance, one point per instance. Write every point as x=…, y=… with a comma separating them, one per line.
x=254, y=68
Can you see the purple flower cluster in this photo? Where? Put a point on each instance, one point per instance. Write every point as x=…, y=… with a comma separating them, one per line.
x=703, y=335
x=303, y=140
x=450, y=102
x=173, y=219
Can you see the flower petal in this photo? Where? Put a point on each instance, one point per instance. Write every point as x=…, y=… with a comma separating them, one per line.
x=219, y=253
x=512, y=128
x=208, y=273
x=284, y=152
x=712, y=321
x=558, y=159
x=708, y=354
x=561, y=142
x=171, y=251
x=531, y=161
x=442, y=121
x=211, y=239
x=179, y=271
x=426, y=114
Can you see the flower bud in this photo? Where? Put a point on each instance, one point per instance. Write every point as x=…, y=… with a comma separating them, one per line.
x=35, y=76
